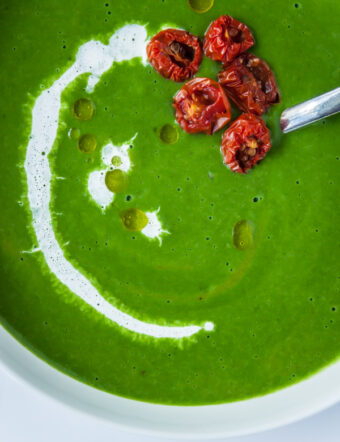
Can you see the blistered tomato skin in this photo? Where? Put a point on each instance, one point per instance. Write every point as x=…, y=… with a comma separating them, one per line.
x=175, y=54
x=202, y=106
x=245, y=143
x=250, y=83
x=226, y=38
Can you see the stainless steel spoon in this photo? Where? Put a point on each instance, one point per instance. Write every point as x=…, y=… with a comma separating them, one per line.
x=312, y=110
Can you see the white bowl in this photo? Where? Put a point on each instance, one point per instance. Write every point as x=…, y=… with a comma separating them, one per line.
x=201, y=422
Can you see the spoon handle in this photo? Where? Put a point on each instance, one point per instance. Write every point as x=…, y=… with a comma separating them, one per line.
x=310, y=111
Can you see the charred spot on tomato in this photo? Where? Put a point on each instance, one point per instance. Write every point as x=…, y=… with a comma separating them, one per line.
x=175, y=54
x=203, y=98
x=250, y=83
x=202, y=106
x=253, y=64
x=180, y=53
x=247, y=152
x=226, y=38
x=245, y=143
x=235, y=35
x=264, y=76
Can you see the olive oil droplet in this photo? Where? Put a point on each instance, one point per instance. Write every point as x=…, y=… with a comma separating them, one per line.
x=87, y=143
x=168, y=134
x=243, y=235
x=134, y=219
x=115, y=180
x=83, y=109
x=201, y=6
x=74, y=133
x=116, y=161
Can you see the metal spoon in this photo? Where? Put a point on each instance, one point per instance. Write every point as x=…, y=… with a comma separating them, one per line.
x=312, y=110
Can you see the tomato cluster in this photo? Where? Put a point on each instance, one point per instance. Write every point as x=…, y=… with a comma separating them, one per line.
x=202, y=104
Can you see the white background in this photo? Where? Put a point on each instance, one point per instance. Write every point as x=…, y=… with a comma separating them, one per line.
x=28, y=416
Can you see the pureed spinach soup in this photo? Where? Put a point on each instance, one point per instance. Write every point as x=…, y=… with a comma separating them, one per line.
x=131, y=258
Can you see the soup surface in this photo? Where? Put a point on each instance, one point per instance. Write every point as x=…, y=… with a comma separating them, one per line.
x=184, y=283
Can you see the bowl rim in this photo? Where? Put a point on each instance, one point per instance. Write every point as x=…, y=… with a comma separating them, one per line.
x=250, y=416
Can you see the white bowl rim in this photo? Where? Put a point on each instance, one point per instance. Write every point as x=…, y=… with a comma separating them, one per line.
x=187, y=422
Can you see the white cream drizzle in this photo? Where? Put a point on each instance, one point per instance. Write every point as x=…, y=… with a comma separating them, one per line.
x=103, y=196
x=95, y=58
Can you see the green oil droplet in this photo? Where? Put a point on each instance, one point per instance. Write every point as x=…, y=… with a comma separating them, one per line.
x=243, y=235
x=134, y=219
x=116, y=161
x=83, y=109
x=115, y=180
x=168, y=134
x=201, y=6
x=87, y=143
x=74, y=133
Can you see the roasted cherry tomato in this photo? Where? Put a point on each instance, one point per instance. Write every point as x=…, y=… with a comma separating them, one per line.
x=201, y=106
x=175, y=54
x=226, y=38
x=245, y=143
x=250, y=83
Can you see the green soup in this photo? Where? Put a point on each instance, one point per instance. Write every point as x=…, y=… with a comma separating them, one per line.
x=181, y=283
